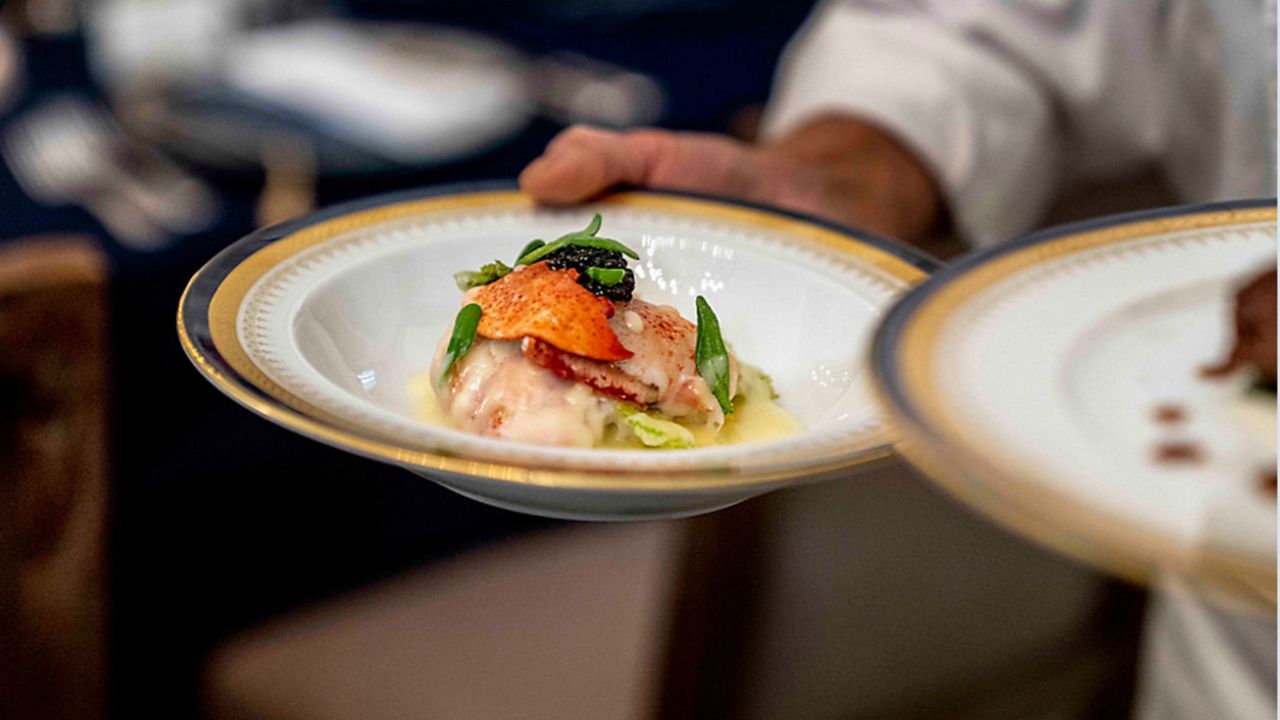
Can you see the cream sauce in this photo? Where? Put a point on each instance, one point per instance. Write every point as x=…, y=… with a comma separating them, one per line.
x=586, y=419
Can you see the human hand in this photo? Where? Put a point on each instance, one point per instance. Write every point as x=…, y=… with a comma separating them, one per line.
x=838, y=168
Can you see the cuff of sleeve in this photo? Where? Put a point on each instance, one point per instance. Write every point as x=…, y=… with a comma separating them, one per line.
x=982, y=127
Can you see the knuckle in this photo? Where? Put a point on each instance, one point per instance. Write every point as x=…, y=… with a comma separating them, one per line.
x=580, y=135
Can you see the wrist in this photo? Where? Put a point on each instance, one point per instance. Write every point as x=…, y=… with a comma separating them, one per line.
x=853, y=171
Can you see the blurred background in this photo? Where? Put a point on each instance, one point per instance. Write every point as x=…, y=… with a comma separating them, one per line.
x=165, y=553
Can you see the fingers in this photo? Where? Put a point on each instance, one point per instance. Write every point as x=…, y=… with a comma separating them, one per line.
x=581, y=162
x=843, y=169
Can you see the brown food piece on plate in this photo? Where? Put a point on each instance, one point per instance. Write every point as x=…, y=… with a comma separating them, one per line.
x=1170, y=414
x=1179, y=451
x=1267, y=483
x=1255, y=320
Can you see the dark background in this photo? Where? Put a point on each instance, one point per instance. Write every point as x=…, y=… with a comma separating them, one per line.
x=219, y=519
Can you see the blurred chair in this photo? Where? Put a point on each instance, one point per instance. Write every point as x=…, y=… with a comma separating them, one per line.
x=53, y=488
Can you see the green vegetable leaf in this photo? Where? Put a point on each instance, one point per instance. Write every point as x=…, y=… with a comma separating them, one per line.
x=586, y=237
x=607, y=277
x=592, y=227
x=464, y=333
x=533, y=245
x=710, y=355
x=467, y=279
x=654, y=432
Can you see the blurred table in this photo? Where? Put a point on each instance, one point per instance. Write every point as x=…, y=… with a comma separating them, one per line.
x=220, y=519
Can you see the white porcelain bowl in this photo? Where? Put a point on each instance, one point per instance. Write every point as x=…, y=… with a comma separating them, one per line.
x=324, y=325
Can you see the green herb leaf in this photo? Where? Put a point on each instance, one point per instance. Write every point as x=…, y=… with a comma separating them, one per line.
x=464, y=333
x=585, y=241
x=467, y=279
x=710, y=355
x=585, y=237
x=607, y=277
x=592, y=227
x=533, y=245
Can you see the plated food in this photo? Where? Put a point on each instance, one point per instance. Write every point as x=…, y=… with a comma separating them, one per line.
x=1057, y=384
x=1253, y=358
x=331, y=326
x=556, y=349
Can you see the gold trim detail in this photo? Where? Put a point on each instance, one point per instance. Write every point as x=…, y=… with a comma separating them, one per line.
x=997, y=486
x=295, y=413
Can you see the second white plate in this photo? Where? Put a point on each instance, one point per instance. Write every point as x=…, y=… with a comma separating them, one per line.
x=1042, y=381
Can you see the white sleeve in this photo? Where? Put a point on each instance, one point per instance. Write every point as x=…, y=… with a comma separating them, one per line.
x=999, y=98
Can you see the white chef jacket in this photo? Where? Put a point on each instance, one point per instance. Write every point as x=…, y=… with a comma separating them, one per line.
x=1006, y=100
x=1201, y=660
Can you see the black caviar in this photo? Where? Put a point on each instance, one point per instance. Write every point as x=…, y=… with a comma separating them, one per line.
x=580, y=257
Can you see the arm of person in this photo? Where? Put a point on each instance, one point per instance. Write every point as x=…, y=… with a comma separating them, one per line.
x=1005, y=101
x=839, y=168
x=897, y=116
